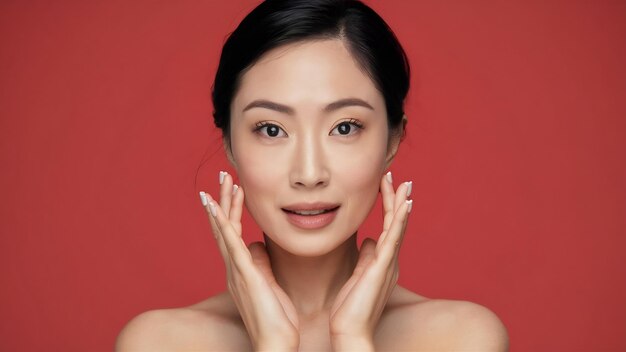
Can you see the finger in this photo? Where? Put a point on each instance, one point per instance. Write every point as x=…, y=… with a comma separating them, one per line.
x=381, y=239
x=226, y=191
x=236, y=208
x=368, y=246
x=402, y=194
x=388, y=196
x=390, y=282
x=237, y=250
x=387, y=249
x=206, y=198
x=404, y=189
x=403, y=230
x=398, y=197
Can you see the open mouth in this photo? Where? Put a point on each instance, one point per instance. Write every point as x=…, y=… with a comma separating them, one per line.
x=311, y=218
x=310, y=212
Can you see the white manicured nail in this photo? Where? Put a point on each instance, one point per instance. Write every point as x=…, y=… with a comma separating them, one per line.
x=222, y=175
x=409, y=186
x=235, y=188
x=203, y=198
x=212, y=209
x=389, y=178
x=410, y=203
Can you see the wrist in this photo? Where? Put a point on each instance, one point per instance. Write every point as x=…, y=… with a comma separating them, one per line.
x=279, y=346
x=275, y=348
x=272, y=348
x=352, y=343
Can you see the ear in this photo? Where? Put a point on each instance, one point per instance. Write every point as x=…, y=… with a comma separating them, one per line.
x=394, y=142
x=229, y=152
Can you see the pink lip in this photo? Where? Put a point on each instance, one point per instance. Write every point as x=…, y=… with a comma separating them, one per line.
x=311, y=221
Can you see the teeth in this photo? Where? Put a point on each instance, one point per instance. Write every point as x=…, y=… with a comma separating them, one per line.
x=309, y=212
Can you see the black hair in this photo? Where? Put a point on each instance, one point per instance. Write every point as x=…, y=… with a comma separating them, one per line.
x=274, y=23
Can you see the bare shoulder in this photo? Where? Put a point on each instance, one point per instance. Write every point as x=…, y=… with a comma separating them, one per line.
x=441, y=324
x=207, y=325
x=464, y=325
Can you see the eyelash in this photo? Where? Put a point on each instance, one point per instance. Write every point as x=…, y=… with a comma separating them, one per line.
x=264, y=124
x=353, y=122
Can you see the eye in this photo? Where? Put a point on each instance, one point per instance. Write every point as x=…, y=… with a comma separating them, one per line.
x=269, y=130
x=346, y=128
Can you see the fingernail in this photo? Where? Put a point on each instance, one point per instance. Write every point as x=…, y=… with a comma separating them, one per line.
x=389, y=178
x=203, y=198
x=235, y=188
x=410, y=203
x=212, y=209
x=409, y=186
x=222, y=175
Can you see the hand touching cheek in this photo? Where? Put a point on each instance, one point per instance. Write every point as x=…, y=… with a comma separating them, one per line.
x=359, y=304
x=267, y=312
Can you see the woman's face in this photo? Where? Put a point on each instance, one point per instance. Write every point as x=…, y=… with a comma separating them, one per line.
x=309, y=134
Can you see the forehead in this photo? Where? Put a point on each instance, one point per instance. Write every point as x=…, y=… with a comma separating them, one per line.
x=309, y=72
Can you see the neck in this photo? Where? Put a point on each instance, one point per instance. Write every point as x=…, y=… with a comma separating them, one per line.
x=312, y=283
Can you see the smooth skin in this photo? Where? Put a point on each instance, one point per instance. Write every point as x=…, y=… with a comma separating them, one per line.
x=312, y=290
x=267, y=312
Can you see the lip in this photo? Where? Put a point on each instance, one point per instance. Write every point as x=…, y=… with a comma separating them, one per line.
x=311, y=221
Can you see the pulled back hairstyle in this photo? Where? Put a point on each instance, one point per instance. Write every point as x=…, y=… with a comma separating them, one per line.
x=274, y=23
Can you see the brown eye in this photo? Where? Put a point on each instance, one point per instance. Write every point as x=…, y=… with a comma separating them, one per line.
x=346, y=128
x=270, y=130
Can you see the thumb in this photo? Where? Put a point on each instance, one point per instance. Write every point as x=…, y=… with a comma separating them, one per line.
x=261, y=259
x=366, y=255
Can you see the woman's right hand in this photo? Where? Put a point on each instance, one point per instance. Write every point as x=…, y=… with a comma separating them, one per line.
x=268, y=313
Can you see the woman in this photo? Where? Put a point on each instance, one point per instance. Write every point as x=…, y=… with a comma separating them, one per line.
x=309, y=96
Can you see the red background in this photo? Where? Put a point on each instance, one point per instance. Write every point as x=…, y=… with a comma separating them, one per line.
x=516, y=147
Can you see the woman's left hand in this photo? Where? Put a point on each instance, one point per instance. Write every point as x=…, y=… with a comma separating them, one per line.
x=359, y=304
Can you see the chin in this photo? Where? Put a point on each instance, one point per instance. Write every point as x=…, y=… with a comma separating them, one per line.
x=307, y=248
x=310, y=243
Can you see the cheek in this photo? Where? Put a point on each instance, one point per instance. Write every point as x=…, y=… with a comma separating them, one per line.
x=253, y=163
x=361, y=165
x=358, y=177
x=359, y=173
x=259, y=175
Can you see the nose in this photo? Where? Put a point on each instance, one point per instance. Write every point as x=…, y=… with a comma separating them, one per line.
x=309, y=165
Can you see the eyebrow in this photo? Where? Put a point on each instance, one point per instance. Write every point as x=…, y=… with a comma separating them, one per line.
x=336, y=105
